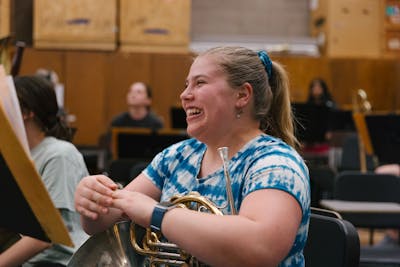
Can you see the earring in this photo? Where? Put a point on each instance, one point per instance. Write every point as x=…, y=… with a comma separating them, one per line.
x=239, y=114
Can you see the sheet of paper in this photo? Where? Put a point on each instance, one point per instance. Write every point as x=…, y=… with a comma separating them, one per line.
x=10, y=104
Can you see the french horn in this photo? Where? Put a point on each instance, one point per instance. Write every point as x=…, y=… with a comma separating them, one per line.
x=127, y=244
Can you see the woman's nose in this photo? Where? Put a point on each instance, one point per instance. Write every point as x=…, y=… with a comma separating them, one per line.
x=186, y=94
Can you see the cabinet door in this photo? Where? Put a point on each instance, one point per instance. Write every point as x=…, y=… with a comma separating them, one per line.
x=69, y=24
x=153, y=24
x=354, y=28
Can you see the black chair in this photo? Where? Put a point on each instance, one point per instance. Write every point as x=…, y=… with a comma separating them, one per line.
x=372, y=187
x=322, y=183
x=371, y=256
x=332, y=242
x=350, y=158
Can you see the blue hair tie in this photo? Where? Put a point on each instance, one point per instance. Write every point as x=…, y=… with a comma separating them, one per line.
x=266, y=61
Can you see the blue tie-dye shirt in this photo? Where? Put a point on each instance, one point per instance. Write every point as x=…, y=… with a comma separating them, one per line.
x=264, y=162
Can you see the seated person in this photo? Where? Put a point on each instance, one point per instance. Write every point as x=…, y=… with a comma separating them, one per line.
x=236, y=98
x=139, y=113
x=319, y=94
x=61, y=167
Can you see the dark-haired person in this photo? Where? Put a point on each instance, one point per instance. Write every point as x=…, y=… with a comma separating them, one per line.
x=318, y=94
x=237, y=98
x=139, y=112
x=61, y=167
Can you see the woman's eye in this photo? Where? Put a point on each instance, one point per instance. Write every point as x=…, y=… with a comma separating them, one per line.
x=200, y=82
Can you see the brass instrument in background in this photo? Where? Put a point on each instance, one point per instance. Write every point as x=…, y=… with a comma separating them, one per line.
x=127, y=244
x=360, y=102
x=362, y=106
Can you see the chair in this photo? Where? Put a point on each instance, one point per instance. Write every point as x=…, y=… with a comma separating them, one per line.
x=372, y=187
x=322, y=182
x=358, y=186
x=332, y=242
x=350, y=159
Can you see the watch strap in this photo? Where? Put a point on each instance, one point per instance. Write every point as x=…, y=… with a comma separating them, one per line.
x=158, y=214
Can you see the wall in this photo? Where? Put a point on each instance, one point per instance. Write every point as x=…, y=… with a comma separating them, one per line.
x=96, y=82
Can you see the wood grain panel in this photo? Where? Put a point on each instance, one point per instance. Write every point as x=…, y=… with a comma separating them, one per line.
x=96, y=82
x=168, y=75
x=301, y=71
x=122, y=70
x=85, y=94
x=379, y=78
x=34, y=59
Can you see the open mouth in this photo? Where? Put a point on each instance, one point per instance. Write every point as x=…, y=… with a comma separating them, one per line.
x=190, y=112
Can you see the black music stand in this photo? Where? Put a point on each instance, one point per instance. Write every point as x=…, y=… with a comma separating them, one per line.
x=17, y=215
x=311, y=122
x=384, y=132
x=135, y=143
x=178, y=118
x=341, y=120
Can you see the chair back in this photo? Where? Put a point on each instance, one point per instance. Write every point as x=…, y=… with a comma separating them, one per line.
x=332, y=242
x=350, y=158
x=373, y=187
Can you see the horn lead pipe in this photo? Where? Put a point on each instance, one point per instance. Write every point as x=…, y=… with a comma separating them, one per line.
x=223, y=152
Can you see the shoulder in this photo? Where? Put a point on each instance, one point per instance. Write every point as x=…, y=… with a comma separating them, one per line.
x=119, y=118
x=268, y=145
x=155, y=118
x=53, y=147
x=187, y=147
x=269, y=152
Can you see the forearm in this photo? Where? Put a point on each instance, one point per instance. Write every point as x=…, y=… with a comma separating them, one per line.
x=21, y=251
x=231, y=241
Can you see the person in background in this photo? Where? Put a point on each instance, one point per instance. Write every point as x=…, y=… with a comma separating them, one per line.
x=237, y=98
x=318, y=94
x=61, y=167
x=139, y=112
x=138, y=115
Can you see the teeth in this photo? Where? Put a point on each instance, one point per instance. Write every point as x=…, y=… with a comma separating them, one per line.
x=192, y=111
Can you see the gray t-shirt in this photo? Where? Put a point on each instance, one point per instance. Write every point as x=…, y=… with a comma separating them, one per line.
x=61, y=166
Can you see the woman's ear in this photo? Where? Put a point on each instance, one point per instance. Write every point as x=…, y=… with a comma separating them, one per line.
x=244, y=94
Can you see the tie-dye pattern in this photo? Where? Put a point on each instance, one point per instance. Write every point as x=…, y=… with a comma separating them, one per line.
x=265, y=162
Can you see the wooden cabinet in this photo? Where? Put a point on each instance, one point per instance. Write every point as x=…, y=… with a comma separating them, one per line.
x=348, y=28
x=155, y=25
x=391, y=28
x=4, y=18
x=75, y=24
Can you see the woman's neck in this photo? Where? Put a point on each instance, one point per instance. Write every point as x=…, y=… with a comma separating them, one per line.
x=212, y=159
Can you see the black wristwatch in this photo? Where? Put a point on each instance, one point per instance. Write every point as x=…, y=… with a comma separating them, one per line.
x=158, y=214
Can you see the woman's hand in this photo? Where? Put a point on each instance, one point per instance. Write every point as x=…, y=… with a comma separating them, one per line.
x=137, y=206
x=93, y=195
